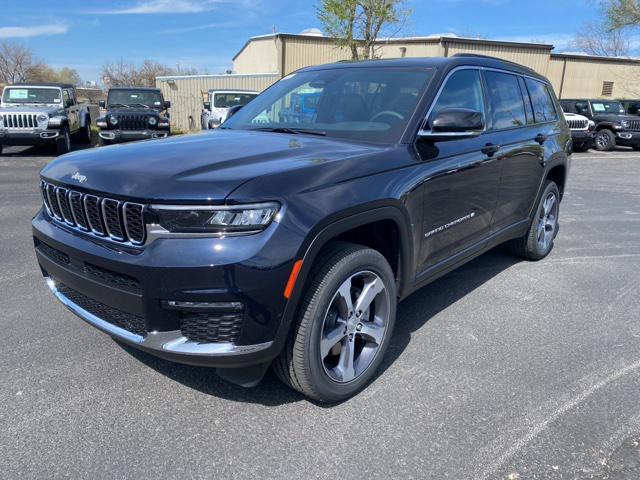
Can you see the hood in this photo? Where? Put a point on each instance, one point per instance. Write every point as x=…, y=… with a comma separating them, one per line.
x=613, y=117
x=30, y=108
x=574, y=116
x=207, y=167
x=133, y=111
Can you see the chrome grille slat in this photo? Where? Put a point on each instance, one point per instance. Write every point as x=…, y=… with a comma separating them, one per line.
x=634, y=125
x=578, y=124
x=20, y=121
x=107, y=218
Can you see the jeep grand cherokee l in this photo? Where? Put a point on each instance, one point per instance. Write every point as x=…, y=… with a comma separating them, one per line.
x=290, y=244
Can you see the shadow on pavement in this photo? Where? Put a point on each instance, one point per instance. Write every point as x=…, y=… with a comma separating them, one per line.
x=413, y=313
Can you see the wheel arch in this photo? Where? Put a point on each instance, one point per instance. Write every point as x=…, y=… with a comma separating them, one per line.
x=558, y=174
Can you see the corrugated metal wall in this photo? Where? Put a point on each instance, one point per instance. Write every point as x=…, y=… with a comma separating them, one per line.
x=302, y=52
x=187, y=93
x=583, y=77
x=258, y=56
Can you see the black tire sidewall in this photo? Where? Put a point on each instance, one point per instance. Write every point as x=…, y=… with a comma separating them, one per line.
x=326, y=387
x=63, y=143
x=612, y=140
x=533, y=237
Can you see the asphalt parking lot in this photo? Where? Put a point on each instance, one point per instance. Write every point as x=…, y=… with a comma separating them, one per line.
x=502, y=369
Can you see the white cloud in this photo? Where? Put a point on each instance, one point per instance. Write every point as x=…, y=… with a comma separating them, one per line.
x=164, y=6
x=37, y=31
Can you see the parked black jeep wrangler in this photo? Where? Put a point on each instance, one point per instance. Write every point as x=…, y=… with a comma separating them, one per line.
x=614, y=126
x=283, y=242
x=134, y=114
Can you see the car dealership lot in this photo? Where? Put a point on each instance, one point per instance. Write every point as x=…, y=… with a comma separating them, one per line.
x=502, y=369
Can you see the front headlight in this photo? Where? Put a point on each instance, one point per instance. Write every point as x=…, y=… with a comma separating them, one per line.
x=113, y=121
x=216, y=219
x=624, y=123
x=43, y=117
x=153, y=121
x=592, y=124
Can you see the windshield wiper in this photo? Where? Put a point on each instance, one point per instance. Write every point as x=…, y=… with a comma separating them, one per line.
x=139, y=104
x=290, y=130
x=118, y=105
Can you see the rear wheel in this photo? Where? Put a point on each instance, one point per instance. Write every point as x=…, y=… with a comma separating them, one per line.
x=0, y=149
x=63, y=142
x=605, y=140
x=84, y=135
x=538, y=241
x=344, y=325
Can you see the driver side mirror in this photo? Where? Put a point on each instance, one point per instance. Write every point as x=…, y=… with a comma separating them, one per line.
x=167, y=104
x=207, y=105
x=102, y=104
x=454, y=123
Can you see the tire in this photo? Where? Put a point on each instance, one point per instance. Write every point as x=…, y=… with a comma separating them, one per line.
x=604, y=141
x=635, y=147
x=0, y=149
x=581, y=147
x=84, y=134
x=63, y=142
x=536, y=245
x=351, y=268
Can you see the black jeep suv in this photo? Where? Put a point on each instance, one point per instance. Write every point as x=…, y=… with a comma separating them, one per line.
x=289, y=244
x=134, y=114
x=614, y=126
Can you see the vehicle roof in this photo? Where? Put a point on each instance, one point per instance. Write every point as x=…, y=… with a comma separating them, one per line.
x=591, y=100
x=42, y=84
x=135, y=88
x=435, y=62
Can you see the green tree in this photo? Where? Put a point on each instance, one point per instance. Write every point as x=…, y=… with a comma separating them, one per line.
x=623, y=13
x=357, y=24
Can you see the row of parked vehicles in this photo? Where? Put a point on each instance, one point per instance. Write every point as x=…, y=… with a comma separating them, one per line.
x=49, y=113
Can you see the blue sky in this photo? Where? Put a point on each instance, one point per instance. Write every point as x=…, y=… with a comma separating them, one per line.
x=206, y=34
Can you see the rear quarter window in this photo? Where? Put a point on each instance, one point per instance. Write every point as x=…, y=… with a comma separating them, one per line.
x=543, y=106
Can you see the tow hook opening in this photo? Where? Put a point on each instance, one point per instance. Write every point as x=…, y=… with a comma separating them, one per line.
x=107, y=135
x=158, y=135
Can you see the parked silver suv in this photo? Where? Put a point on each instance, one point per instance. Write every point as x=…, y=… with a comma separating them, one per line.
x=43, y=113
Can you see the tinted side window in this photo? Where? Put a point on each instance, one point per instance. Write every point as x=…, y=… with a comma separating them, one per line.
x=543, y=108
x=505, y=98
x=527, y=101
x=462, y=90
x=568, y=107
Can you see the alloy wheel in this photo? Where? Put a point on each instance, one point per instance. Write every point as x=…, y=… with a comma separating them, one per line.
x=547, y=221
x=602, y=140
x=354, y=326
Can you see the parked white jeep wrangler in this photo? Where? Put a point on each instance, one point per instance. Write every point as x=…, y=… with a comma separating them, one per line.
x=218, y=103
x=43, y=113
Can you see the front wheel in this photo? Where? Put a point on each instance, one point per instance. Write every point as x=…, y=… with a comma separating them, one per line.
x=581, y=147
x=84, y=135
x=344, y=325
x=605, y=140
x=63, y=142
x=538, y=241
x=636, y=148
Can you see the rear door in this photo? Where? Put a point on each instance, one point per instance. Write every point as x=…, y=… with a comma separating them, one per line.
x=461, y=179
x=521, y=140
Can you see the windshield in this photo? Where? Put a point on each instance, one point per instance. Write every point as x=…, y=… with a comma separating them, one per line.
x=369, y=104
x=229, y=99
x=150, y=98
x=607, y=107
x=31, y=95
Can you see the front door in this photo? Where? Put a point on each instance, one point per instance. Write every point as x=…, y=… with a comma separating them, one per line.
x=460, y=180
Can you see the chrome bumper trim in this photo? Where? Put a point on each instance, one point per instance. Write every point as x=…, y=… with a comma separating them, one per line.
x=171, y=341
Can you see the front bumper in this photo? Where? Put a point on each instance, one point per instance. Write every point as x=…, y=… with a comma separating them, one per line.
x=628, y=138
x=28, y=137
x=582, y=136
x=116, y=136
x=252, y=270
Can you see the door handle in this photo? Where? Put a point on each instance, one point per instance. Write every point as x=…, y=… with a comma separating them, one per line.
x=489, y=149
x=540, y=138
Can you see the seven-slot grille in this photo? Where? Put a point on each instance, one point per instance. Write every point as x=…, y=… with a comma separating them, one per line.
x=578, y=124
x=20, y=120
x=103, y=217
x=634, y=125
x=133, y=122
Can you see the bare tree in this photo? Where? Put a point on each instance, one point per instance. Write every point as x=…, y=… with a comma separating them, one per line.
x=357, y=24
x=126, y=74
x=596, y=39
x=15, y=62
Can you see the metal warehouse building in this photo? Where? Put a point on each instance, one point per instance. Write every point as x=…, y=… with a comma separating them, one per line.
x=264, y=59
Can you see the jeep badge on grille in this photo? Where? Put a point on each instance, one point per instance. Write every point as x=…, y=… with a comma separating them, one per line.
x=78, y=177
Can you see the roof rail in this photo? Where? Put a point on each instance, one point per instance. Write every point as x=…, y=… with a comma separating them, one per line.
x=476, y=55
